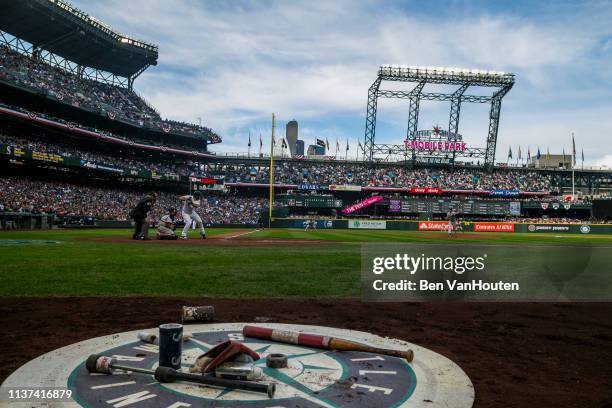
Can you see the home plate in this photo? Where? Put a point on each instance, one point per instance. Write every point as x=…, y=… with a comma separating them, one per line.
x=313, y=377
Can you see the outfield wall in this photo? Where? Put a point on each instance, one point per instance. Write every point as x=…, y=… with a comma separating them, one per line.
x=413, y=225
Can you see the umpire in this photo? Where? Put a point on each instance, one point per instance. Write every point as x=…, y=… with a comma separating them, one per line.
x=139, y=215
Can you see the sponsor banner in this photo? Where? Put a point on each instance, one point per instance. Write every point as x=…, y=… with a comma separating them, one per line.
x=98, y=166
x=548, y=228
x=367, y=224
x=433, y=225
x=361, y=204
x=19, y=152
x=47, y=157
x=425, y=190
x=544, y=206
x=344, y=187
x=208, y=181
x=493, y=227
x=504, y=193
x=307, y=186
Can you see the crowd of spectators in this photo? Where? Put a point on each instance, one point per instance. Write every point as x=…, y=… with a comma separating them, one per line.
x=124, y=158
x=300, y=172
x=67, y=200
x=113, y=101
x=105, y=133
x=391, y=176
x=557, y=220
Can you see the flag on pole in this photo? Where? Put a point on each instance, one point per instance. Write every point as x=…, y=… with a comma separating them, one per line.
x=360, y=146
x=510, y=153
x=528, y=153
x=347, y=145
x=284, y=144
x=547, y=152
x=539, y=154
x=249, y=139
x=573, y=150
x=327, y=143
x=260, y=141
x=583, y=156
x=520, y=155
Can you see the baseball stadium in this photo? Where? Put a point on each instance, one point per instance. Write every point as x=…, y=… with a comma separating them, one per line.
x=114, y=221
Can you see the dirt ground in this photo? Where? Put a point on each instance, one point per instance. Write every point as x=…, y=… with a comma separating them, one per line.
x=516, y=354
x=213, y=241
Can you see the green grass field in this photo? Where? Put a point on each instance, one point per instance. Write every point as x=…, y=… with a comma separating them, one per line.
x=74, y=263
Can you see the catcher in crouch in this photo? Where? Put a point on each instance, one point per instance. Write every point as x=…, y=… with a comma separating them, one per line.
x=190, y=203
x=166, y=226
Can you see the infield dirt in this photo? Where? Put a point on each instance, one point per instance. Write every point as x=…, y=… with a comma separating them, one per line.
x=516, y=354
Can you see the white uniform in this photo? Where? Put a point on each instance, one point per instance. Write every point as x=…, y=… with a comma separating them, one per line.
x=190, y=215
x=165, y=226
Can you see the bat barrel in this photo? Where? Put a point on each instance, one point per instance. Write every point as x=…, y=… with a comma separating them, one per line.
x=286, y=336
x=324, y=342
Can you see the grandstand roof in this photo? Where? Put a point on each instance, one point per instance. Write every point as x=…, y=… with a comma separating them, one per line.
x=68, y=32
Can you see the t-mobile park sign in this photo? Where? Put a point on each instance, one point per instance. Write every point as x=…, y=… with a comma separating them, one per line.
x=435, y=145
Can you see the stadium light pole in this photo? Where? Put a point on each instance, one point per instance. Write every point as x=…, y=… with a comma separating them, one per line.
x=271, y=174
x=573, y=158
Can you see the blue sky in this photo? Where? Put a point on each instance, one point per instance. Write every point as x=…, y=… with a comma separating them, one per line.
x=234, y=63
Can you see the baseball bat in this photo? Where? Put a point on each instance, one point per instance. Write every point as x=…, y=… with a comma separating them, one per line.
x=97, y=363
x=319, y=341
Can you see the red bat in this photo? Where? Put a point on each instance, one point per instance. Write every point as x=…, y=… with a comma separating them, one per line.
x=318, y=341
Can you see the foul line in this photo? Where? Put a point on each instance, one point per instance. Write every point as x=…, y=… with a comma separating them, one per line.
x=244, y=233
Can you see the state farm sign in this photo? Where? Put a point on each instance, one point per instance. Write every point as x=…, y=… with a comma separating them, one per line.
x=433, y=226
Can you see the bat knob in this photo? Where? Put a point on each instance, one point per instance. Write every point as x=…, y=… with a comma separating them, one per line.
x=271, y=390
x=97, y=363
x=91, y=362
x=165, y=374
x=409, y=355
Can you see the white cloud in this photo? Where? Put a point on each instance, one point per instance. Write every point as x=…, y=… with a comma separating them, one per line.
x=234, y=63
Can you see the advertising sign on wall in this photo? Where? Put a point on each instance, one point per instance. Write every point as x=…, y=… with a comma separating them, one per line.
x=344, y=187
x=367, y=224
x=361, y=204
x=493, y=227
x=504, y=193
x=433, y=226
x=548, y=228
x=425, y=190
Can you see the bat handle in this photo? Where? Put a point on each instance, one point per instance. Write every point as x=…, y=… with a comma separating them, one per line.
x=408, y=355
x=166, y=374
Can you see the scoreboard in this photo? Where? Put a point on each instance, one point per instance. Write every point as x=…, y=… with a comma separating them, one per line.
x=475, y=207
x=313, y=201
